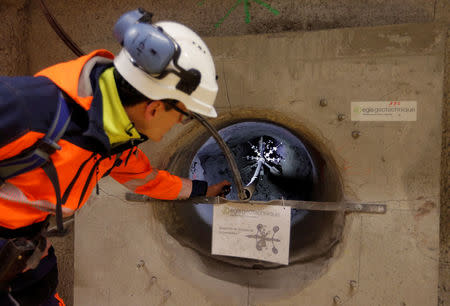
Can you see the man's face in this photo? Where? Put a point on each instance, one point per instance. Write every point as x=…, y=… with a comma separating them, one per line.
x=158, y=120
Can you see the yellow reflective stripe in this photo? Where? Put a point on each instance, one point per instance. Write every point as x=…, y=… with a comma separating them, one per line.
x=11, y=193
x=135, y=183
x=186, y=189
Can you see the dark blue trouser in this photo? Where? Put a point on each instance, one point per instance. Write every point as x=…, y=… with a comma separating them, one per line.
x=35, y=287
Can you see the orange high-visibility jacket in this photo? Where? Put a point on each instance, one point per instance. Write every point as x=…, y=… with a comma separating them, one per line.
x=27, y=107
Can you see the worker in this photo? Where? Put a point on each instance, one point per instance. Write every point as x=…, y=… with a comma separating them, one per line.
x=87, y=117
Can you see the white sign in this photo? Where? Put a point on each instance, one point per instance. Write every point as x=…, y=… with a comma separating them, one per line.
x=384, y=111
x=252, y=231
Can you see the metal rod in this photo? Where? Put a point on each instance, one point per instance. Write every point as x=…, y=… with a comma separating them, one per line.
x=250, y=187
x=322, y=206
x=304, y=205
x=66, y=223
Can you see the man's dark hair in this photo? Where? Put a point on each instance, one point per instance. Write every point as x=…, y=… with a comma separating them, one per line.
x=127, y=93
x=130, y=96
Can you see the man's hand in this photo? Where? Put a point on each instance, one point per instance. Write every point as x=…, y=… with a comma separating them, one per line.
x=217, y=189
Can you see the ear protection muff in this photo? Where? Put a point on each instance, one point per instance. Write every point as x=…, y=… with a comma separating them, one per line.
x=189, y=79
x=152, y=50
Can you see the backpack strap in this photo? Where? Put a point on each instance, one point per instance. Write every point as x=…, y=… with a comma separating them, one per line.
x=38, y=156
x=50, y=170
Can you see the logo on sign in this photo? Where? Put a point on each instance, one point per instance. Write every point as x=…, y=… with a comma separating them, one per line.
x=262, y=237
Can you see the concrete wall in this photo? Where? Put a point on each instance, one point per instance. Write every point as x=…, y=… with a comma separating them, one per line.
x=282, y=77
x=13, y=36
x=90, y=24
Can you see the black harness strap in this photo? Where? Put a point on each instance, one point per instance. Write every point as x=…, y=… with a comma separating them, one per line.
x=50, y=170
x=117, y=163
x=75, y=178
x=88, y=180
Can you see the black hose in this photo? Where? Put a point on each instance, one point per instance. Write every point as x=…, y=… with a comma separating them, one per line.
x=243, y=195
x=59, y=30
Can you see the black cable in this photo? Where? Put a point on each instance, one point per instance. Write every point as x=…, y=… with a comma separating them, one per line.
x=242, y=194
x=59, y=30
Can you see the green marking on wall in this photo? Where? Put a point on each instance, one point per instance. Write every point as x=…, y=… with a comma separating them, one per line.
x=246, y=10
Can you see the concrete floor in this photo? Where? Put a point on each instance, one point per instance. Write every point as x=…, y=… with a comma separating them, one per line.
x=26, y=52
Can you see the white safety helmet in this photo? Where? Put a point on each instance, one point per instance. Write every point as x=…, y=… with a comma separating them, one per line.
x=166, y=60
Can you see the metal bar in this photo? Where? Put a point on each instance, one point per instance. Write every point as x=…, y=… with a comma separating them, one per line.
x=304, y=205
x=69, y=221
x=322, y=206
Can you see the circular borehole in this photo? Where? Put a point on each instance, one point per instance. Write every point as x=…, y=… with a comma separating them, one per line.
x=269, y=157
x=295, y=170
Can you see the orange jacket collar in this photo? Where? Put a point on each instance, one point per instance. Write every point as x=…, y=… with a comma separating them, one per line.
x=67, y=76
